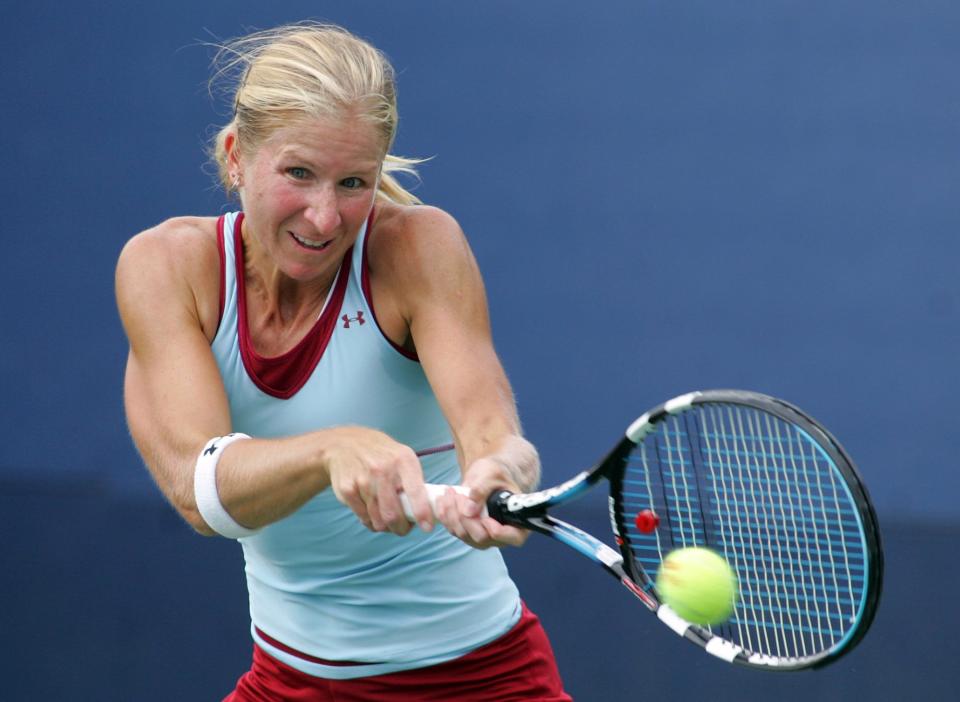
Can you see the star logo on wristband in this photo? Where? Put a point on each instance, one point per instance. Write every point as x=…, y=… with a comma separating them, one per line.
x=211, y=449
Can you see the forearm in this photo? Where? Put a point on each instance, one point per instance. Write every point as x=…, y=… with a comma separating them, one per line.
x=479, y=404
x=260, y=481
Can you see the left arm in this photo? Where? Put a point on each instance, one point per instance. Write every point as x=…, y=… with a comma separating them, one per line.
x=437, y=290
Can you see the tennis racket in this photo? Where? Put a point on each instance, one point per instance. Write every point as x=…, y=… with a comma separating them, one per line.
x=756, y=480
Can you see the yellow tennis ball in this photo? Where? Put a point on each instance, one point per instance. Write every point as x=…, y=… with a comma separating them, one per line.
x=698, y=584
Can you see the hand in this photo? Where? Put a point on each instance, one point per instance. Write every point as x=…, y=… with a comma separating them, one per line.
x=367, y=470
x=463, y=517
x=514, y=467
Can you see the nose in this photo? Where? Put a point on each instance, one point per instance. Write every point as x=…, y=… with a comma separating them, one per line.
x=323, y=211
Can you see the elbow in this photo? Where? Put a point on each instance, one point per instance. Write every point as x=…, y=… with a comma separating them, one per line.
x=188, y=503
x=191, y=515
x=198, y=524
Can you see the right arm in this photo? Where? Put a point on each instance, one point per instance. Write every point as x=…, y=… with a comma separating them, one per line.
x=175, y=400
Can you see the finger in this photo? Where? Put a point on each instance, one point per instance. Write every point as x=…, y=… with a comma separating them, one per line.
x=473, y=524
x=504, y=534
x=384, y=472
x=351, y=496
x=448, y=513
x=390, y=509
x=472, y=505
x=412, y=485
x=377, y=522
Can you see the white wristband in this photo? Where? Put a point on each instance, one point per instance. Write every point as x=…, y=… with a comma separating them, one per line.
x=205, y=489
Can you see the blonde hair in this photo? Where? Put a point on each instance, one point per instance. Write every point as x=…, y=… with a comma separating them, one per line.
x=307, y=70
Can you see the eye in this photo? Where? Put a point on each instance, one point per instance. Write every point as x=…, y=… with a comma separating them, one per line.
x=298, y=173
x=352, y=183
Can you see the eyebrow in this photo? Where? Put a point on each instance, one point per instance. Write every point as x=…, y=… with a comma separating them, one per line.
x=294, y=152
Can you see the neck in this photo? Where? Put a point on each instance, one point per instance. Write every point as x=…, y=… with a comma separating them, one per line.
x=275, y=298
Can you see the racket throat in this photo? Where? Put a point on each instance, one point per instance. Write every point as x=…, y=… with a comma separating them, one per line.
x=592, y=548
x=640, y=593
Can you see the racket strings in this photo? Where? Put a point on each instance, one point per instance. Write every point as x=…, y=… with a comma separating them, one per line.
x=763, y=493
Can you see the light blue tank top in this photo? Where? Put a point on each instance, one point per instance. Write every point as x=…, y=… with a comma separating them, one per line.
x=319, y=581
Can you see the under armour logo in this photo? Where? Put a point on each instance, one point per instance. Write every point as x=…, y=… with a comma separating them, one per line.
x=358, y=319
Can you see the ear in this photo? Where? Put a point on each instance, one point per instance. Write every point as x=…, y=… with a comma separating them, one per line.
x=232, y=148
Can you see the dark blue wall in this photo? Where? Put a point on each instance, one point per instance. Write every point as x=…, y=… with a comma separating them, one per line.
x=115, y=600
x=663, y=196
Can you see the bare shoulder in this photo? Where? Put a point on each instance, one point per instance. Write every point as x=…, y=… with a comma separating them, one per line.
x=417, y=237
x=423, y=276
x=175, y=261
x=176, y=242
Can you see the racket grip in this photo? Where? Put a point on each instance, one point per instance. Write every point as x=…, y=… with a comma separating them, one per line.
x=497, y=507
x=433, y=492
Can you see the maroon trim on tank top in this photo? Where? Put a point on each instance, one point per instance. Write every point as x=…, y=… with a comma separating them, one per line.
x=282, y=376
x=223, y=268
x=300, y=654
x=367, y=293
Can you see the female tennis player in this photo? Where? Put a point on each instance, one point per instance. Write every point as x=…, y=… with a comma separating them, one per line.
x=296, y=365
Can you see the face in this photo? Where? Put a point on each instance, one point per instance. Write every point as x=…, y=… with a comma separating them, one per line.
x=306, y=192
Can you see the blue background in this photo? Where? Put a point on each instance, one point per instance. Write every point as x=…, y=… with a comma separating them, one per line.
x=662, y=196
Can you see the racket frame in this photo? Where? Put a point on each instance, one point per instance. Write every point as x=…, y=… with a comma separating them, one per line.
x=529, y=511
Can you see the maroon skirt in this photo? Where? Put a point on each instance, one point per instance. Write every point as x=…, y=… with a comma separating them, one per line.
x=519, y=666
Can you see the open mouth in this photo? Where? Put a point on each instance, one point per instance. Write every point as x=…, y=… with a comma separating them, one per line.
x=311, y=245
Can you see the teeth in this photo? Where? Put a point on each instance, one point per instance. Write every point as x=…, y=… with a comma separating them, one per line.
x=310, y=244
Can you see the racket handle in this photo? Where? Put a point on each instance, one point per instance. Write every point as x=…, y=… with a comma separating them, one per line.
x=433, y=492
